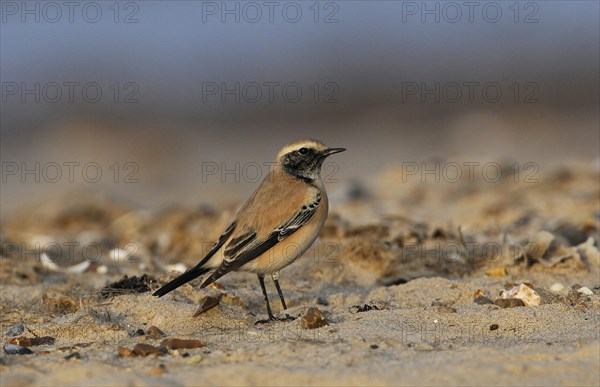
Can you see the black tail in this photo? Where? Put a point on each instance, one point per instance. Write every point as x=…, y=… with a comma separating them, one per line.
x=186, y=277
x=197, y=270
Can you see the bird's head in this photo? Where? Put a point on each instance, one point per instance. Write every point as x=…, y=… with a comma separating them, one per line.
x=304, y=158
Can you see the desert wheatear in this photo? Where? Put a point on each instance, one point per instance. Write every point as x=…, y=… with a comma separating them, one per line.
x=275, y=226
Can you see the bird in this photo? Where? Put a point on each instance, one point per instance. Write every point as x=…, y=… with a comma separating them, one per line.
x=275, y=226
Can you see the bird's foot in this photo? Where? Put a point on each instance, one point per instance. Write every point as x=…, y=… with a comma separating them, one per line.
x=273, y=318
x=287, y=318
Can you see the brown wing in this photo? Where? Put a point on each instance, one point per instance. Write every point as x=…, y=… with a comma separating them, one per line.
x=295, y=204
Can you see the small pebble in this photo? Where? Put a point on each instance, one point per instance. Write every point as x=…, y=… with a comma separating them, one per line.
x=22, y=341
x=16, y=329
x=142, y=349
x=585, y=290
x=124, y=352
x=13, y=349
x=497, y=272
x=155, y=333
x=138, y=332
x=194, y=360
x=173, y=343
x=312, y=319
x=32, y=342
x=494, y=327
x=557, y=287
x=207, y=303
x=482, y=300
x=74, y=355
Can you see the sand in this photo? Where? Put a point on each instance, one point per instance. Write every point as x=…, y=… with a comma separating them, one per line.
x=395, y=274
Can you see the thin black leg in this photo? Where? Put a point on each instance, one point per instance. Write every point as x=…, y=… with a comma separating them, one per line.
x=275, y=277
x=276, y=280
x=261, y=279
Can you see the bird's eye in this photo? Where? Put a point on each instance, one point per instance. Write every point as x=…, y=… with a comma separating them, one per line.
x=303, y=151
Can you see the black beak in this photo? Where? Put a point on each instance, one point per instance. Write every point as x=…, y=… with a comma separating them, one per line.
x=331, y=151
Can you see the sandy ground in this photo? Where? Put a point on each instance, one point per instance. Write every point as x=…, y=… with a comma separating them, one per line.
x=407, y=276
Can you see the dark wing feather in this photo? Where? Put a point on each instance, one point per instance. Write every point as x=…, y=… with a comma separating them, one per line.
x=247, y=247
x=238, y=242
x=301, y=218
x=197, y=270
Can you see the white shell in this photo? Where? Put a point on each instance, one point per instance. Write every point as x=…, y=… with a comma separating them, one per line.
x=178, y=267
x=585, y=290
x=524, y=293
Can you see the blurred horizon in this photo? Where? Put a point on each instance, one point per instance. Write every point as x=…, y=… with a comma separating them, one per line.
x=186, y=84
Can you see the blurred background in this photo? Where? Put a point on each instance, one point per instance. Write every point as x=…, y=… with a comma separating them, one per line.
x=159, y=103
